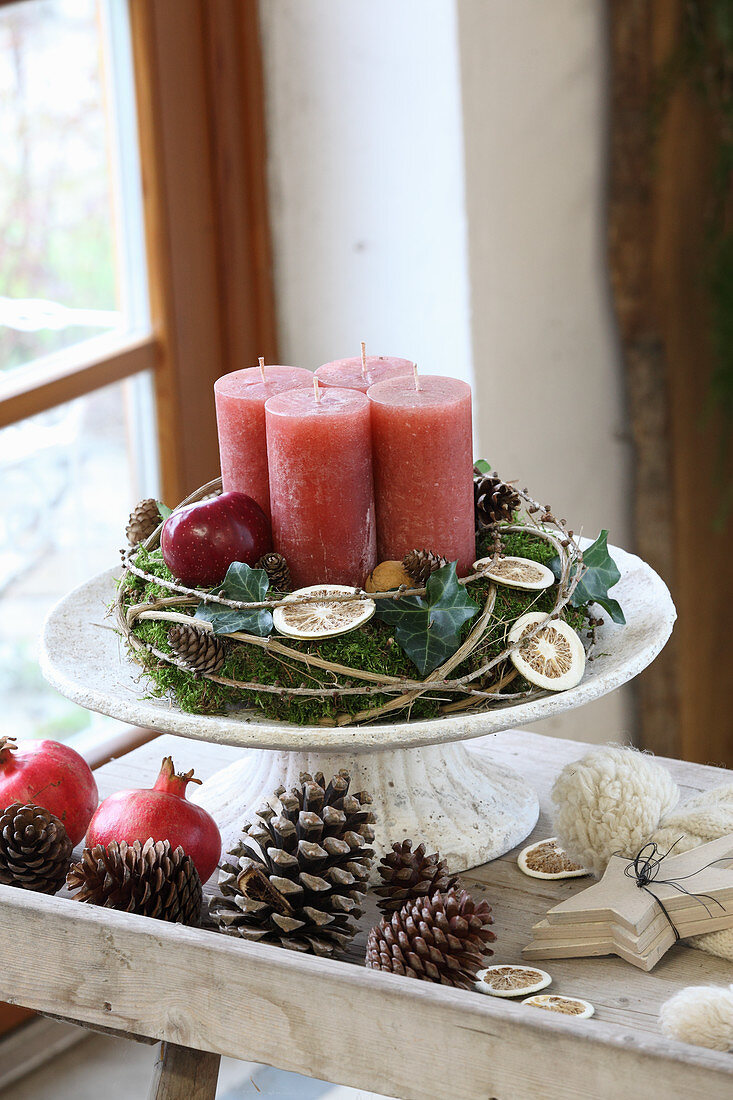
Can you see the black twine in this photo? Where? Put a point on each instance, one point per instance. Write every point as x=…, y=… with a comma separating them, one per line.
x=644, y=869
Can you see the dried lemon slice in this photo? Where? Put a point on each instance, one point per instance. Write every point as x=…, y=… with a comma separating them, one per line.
x=569, y=1006
x=546, y=859
x=553, y=658
x=511, y=981
x=516, y=572
x=320, y=617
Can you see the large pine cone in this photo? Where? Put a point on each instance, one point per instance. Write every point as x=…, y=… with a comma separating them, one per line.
x=299, y=874
x=34, y=849
x=441, y=939
x=407, y=875
x=421, y=563
x=144, y=518
x=150, y=879
x=494, y=500
x=198, y=650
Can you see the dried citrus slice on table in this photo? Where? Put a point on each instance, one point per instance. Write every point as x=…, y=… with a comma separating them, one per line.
x=546, y=859
x=550, y=656
x=511, y=981
x=313, y=613
x=516, y=572
x=568, y=1006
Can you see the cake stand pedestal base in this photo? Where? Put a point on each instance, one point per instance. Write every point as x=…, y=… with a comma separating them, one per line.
x=453, y=797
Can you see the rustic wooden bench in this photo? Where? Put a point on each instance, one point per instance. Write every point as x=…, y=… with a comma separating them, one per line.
x=205, y=995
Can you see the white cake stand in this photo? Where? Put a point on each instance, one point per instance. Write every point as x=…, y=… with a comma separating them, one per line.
x=427, y=780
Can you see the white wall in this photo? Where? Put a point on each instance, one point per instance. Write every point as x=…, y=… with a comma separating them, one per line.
x=548, y=379
x=366, y=180
x=437, y=173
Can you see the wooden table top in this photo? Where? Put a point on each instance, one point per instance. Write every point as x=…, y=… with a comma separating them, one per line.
x=339, y=1022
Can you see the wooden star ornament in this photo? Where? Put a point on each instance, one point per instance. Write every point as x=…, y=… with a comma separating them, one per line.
x=641, y=907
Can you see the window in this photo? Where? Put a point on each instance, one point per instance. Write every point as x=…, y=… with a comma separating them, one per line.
x=71, y=266
x=136, y=270
x=69, y=478
x=73, y=299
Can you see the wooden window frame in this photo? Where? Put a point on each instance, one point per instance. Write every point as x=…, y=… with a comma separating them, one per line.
x=200, y=107
x=65, y=375
x=201, y=127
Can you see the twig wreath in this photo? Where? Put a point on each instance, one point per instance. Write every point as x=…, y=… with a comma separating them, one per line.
x=150, y=597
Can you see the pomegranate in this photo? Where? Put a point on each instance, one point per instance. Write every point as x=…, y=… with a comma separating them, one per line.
x=50, y=775
x=160, y=813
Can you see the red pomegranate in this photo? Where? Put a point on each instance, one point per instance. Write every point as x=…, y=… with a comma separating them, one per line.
x=163, y=813
x=51, y=775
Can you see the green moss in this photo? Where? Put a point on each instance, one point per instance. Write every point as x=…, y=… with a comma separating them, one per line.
x=518, y=544
x=152, y=562
x=372, y=648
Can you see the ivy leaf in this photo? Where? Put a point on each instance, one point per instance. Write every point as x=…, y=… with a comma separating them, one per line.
x=164, y=510
x=428, y=629
x=245, y=584
x=601, y=574
x=482, y=466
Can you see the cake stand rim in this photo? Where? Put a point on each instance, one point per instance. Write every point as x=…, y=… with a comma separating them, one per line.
x=241, y=731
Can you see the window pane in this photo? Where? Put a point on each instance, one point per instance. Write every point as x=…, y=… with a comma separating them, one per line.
x=71, y=264
x=68, y=480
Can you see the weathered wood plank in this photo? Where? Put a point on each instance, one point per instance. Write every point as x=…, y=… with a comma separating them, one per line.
x=327, y=1019
x=99, y=1030
x=184, y=1074
x=343, y=1023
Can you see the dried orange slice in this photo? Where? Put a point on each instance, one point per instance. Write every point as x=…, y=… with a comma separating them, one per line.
x=511, y=981
x=516, y=573
x=569, y=1006
x=546, y=859
x=551, y=657
x=318, y=616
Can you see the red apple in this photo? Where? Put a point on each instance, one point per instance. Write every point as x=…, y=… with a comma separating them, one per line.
x=201, y=541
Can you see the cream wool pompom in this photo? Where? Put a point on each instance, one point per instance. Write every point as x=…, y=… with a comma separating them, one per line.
x=707, y=816
x=700, y=1014
x=616, y=799
x=610, y=802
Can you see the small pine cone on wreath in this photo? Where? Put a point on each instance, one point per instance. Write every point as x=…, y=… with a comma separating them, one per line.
x=151, y=879
x=277, y=569
x=144, y=518
x=298, y=876
x=407, y=875
x=442, y=939
x=198, y=650
x=34, y=849
x=420, y=564
x=494, y=500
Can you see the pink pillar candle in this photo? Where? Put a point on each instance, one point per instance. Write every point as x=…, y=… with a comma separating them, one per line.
x=321, y=491
x=423, y=468
x=349, y=375
x=240, y=416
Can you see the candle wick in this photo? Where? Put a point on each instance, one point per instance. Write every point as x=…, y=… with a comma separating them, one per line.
x=316, y=389
x=416, y=376
x=262, y=368
x=363, y=360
